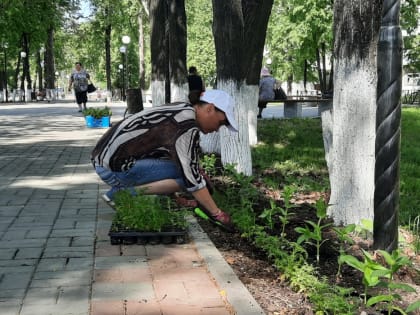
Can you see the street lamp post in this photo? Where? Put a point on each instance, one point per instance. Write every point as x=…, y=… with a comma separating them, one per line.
x=22, y=85
x=121, y=68
x=124, y=50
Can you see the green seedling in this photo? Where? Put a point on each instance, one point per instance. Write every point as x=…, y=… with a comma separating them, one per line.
x=268, y=214
x=208, y=163
x=313, y=234
x=377, y=275
x=369, y=267
x=146, y=212
x=282, y=213
x=395, y=261
x=365, y=227
x=288, y=192
x=344, y=238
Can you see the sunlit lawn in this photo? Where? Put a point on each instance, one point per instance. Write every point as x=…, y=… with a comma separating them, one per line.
x=295, y=150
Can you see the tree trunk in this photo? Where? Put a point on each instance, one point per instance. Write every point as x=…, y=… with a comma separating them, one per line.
x=50, y=64
x=178, y=50
x=39, y=69
x=159, y=58
x=324, y=68
x=168, y=51
x=239, y=29
x=26, y=67
x=142, y=67
x=318, y=66
x=331, y=78
x=352, y=155
x=17, y=70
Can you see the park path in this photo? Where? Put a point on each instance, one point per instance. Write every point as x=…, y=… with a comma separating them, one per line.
x=55, y=253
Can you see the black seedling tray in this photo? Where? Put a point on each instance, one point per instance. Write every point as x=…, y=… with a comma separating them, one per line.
x=151, y=238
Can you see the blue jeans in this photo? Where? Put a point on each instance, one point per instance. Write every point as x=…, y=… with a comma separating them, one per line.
x=142, y=172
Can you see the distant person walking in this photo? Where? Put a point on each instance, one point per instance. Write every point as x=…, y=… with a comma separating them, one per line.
x=266, y=92
x=80, y=79
x=195, y=82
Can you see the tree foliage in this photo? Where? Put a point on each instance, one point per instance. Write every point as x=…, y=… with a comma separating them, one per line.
x=297, y=28
x=410, y=17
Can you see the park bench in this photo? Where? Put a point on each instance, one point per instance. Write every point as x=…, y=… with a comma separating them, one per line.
x=293, y=104
x=411, y=97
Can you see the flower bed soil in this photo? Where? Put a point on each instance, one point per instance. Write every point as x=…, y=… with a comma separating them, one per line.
x=265, y=282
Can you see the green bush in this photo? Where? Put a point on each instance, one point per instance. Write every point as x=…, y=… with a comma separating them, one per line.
x=98, y=112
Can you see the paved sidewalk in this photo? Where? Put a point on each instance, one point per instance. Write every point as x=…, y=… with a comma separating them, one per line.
x=55, y=254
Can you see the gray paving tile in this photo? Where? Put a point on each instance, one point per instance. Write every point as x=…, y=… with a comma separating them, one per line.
x=68, y=252
x=21, y=243
x=29, y=253
x=10, y=306
x=16, y=280
x=51, y=217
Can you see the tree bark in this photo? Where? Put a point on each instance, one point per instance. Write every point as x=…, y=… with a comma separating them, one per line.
x=159, y=57
x=26, y=66
x=50, y=64
x=168, y=49
x=178, y=50
x=239, y=29
x=352, y=155
x=39, y=70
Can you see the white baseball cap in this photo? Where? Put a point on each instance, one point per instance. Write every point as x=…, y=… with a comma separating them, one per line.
x=224, y=102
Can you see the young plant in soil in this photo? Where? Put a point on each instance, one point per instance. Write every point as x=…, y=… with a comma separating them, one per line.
x=283, y=214
x=146, y=213
x=313, y=235
x=291, y=152
x=377, y=275
x=343, y=235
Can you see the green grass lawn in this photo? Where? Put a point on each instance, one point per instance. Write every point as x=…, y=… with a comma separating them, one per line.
x=293, y=149
x=410, y=165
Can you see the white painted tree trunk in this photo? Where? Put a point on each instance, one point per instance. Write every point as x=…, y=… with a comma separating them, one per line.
x=179, y=93
x=327, y=136
x=158, y=93
x=234, y=147
x=15, y=94
x=351, y=159
x=210, y=143
x=250, y=96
